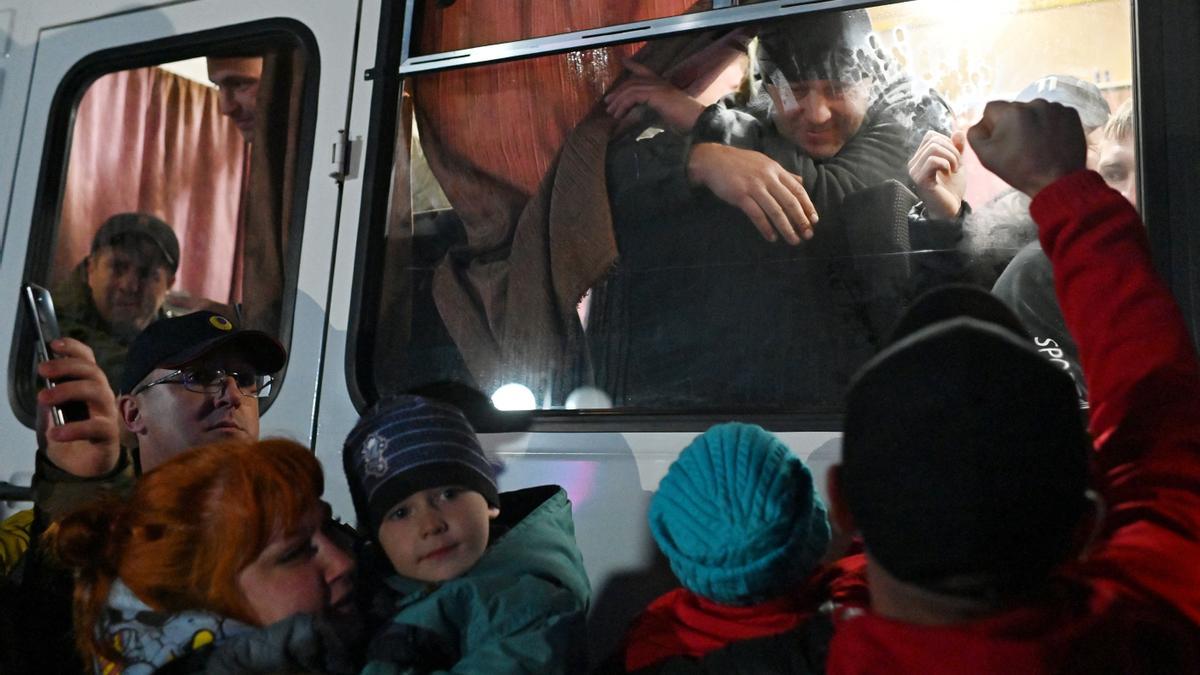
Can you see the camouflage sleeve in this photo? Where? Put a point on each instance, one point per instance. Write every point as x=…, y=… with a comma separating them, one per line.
x=109, y=351
x=647, y=175
x=57, y=493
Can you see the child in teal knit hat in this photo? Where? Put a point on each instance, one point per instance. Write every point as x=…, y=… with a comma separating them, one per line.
x=740, y=522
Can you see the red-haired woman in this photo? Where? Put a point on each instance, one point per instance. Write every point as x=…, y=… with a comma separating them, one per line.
x=210, y=545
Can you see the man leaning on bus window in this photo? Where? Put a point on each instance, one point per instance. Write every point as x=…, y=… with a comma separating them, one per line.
x=737, y=281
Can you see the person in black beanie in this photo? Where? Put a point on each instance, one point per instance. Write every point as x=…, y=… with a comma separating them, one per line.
x=975, y=488
x=479, y=581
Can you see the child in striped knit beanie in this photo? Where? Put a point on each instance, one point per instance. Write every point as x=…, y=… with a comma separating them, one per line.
x=479, y=581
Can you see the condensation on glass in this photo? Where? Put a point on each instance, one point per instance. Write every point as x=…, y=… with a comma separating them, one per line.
x=556, y=257
x=454, y=25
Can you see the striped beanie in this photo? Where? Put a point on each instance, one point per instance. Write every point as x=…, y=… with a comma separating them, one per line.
x=406, y=444
x=737, y=516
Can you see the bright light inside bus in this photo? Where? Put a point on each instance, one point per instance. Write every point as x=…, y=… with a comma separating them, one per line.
x=585, y=398
x=514, y=397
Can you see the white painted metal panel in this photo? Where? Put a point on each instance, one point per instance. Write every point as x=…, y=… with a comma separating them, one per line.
x=49, y=38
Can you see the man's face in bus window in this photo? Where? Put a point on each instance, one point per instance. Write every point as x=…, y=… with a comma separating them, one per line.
x=820, y=116
x=1118, y=167
x=129, y=284
x=237, y=80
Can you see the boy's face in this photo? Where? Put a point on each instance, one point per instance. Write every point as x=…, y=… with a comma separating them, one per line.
x=437, y=534
x=1118, y=167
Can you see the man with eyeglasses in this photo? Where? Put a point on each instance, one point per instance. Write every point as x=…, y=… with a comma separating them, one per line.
x=194, y=380
x=188, y=381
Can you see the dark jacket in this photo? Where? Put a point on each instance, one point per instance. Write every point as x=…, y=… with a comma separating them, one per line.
x=701, y=310
x=1027, y=287
x=38, y=589
x=682, y=623
x=835, y=588
x=799, y=651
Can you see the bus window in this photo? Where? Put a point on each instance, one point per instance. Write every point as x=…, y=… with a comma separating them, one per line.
x=725, y=220
x=191, y=208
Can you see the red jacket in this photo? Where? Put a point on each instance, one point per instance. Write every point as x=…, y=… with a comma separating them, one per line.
x=681, y=623
x=1134, y=605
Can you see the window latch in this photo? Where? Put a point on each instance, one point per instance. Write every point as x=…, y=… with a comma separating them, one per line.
x=344, y=157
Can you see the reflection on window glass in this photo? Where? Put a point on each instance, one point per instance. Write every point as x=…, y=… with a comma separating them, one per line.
x=161, y=222
x=451, y=25
x=729, y=219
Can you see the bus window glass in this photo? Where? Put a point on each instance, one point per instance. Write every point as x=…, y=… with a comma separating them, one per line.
x=189, y=208
x=726, y=220
x=442, y=26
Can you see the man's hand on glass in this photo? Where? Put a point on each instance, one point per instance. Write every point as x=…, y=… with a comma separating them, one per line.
x=1029, y=145
x=938, y=174
x=771, y=197
x=644, y=87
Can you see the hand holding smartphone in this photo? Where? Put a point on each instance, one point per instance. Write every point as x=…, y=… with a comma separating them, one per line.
x=40, y=308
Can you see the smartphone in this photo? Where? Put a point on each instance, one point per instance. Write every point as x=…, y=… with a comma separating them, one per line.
x=45, y=326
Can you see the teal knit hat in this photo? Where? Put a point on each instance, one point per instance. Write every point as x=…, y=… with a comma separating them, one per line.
x=737, y=516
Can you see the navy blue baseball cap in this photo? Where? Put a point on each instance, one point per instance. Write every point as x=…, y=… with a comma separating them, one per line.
x=175, y=342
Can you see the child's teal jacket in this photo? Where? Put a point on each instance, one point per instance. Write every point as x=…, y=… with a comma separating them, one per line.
x=520, y=609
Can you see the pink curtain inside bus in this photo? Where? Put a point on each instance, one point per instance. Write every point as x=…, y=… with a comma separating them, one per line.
x=519, y=150
x=149, y=140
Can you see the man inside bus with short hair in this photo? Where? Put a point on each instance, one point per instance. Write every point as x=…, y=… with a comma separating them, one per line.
x=237, y=78
x=840, y=117
x=966, y=470
x=120, y=287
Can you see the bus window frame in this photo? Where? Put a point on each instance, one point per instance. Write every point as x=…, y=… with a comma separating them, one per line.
x=1155, y=27
x=52, y=174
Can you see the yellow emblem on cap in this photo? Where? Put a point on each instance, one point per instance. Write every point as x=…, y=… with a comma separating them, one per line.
x=220, y=323
x=203, y=636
